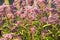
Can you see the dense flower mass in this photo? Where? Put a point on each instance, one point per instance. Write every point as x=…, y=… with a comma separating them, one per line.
x=30, y=20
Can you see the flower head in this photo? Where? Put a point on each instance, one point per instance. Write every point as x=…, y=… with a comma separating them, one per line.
x=32, y=30
x=8, y=35
x=10, y=15
x=43, y=33
x=39, y=1
x=52, y=19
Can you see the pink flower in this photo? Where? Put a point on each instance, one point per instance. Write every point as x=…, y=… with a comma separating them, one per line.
x=37, y=11
x=28, y=8
x=39, y=1
x=10, y=15
x=1, y=8
x=14, y=29
x=1, y=38
x=56, y=1
x=18, y=13
x=32, y=30
x=1, y=13
x=5, y=35
x=43, y=19
x=15, y=0
x=29, y=1
x=14, y=4
x=32, y=17
x=5, y=38
x=8, y=35
x=43, y=33
x=23, y=3
x=23, y=15
x=53, y=19
x=19, y=22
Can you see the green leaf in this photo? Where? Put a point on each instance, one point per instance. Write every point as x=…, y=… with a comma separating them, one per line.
x=36, y=23
x=5, y=23
x=46, y=25
x=5, y=30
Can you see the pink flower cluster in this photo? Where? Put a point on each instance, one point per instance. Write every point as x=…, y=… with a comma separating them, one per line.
x=7, y=36
x=21, y=14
